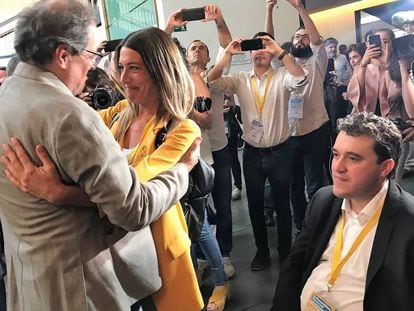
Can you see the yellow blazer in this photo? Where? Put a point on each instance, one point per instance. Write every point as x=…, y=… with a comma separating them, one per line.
x=180, y=290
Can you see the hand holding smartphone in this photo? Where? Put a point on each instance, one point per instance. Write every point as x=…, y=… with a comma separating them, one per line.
x=375, y=39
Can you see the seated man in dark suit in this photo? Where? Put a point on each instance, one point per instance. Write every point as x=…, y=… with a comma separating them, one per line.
x=356, y=247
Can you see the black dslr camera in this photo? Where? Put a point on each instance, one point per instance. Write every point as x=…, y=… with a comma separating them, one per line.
x=202, y=104
x=102, y=97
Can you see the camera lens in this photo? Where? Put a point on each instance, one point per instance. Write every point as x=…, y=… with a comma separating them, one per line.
x=102, y=98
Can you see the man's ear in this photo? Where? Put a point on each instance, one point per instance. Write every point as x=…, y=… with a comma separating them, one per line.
x=208, y=59
x=62, y=55
x=386, y=167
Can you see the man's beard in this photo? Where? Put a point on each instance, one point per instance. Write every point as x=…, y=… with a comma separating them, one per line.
x=305, y=52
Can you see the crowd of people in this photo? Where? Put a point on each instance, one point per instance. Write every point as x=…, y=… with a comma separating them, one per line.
x=91, y=215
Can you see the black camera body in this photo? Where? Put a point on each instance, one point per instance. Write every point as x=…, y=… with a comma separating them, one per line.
x=102, y=97
x=404, y=46
x=401, y=124
x=202, y=104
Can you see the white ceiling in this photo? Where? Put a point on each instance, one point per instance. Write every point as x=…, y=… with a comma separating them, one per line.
x=9, y=8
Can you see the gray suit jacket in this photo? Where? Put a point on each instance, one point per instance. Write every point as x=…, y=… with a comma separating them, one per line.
x=65, y=257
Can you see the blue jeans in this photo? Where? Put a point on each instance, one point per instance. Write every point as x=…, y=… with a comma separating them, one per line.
x=209, y=246
x=308, y=165
x=273, y=163
x=2, y=285
x=222, y=200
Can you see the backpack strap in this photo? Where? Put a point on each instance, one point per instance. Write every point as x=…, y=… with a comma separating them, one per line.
x=162, y=134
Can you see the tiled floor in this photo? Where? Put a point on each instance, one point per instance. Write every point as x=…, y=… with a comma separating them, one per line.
x=253, y=291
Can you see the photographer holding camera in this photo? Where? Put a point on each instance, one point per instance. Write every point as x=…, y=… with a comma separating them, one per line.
x=99, y=91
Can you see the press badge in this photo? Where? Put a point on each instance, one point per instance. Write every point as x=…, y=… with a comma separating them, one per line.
x=317, y=303
x=256, y=131
x=295, y=110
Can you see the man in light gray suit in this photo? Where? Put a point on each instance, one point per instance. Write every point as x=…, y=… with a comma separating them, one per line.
x=67, y=257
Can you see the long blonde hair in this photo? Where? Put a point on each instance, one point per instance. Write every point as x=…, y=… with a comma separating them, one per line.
x=167, y=70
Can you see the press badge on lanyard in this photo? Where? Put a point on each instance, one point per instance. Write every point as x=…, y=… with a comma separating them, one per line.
x=317, y=303
x=256, y=131
x=295, y=110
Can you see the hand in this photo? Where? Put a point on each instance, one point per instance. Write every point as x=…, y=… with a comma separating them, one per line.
x=213, y=12
x=408, y=134
x=86, y=97
x=39, y=181
x=270, y=4
x=371, y=52
x=101, y=46
x=271, y=45
x=345, y=96
x=191, y=156
x=296, y=3
x=175, y=19
x=234, y=47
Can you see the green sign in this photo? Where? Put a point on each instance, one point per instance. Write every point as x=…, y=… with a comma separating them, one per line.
x=126, y=16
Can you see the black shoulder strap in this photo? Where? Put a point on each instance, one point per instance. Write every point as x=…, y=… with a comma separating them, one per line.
x=162, y=133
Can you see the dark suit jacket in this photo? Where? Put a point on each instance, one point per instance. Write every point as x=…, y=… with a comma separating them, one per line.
x=390, y=278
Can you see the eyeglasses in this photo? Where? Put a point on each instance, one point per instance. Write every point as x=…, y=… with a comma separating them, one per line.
x=94, y=57
x=298, y=36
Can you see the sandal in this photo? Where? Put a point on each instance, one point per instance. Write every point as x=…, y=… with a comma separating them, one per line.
x=217, y=300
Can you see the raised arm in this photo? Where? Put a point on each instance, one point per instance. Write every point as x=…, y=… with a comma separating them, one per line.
x=314, y=36
x=213, y=12
x=407, y=86
x=174, y=20
x=274, y=48
x=232, y=48
x=268, y=26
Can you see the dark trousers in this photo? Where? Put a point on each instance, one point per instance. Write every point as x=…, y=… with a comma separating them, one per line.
x=146, y=303
x=2, y=285
x=275, y=164
x=308, y=155
x=2, y=274
x=222, y=200
x=235, y=163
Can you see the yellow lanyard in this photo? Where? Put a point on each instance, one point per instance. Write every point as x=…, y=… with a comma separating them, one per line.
x=337, y=263
x=260, y=100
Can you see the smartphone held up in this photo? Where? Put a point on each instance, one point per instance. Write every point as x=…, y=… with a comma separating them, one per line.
x=251, y=44
x=193, y=14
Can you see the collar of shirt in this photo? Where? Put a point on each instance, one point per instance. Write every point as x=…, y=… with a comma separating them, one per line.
x=368, y=211
x=264, y=77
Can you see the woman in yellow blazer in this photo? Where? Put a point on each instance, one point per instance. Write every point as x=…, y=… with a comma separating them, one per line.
x=158, y=88
x=179, y=284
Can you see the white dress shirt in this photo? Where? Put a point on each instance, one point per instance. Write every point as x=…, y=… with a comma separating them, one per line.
x=273, y=117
